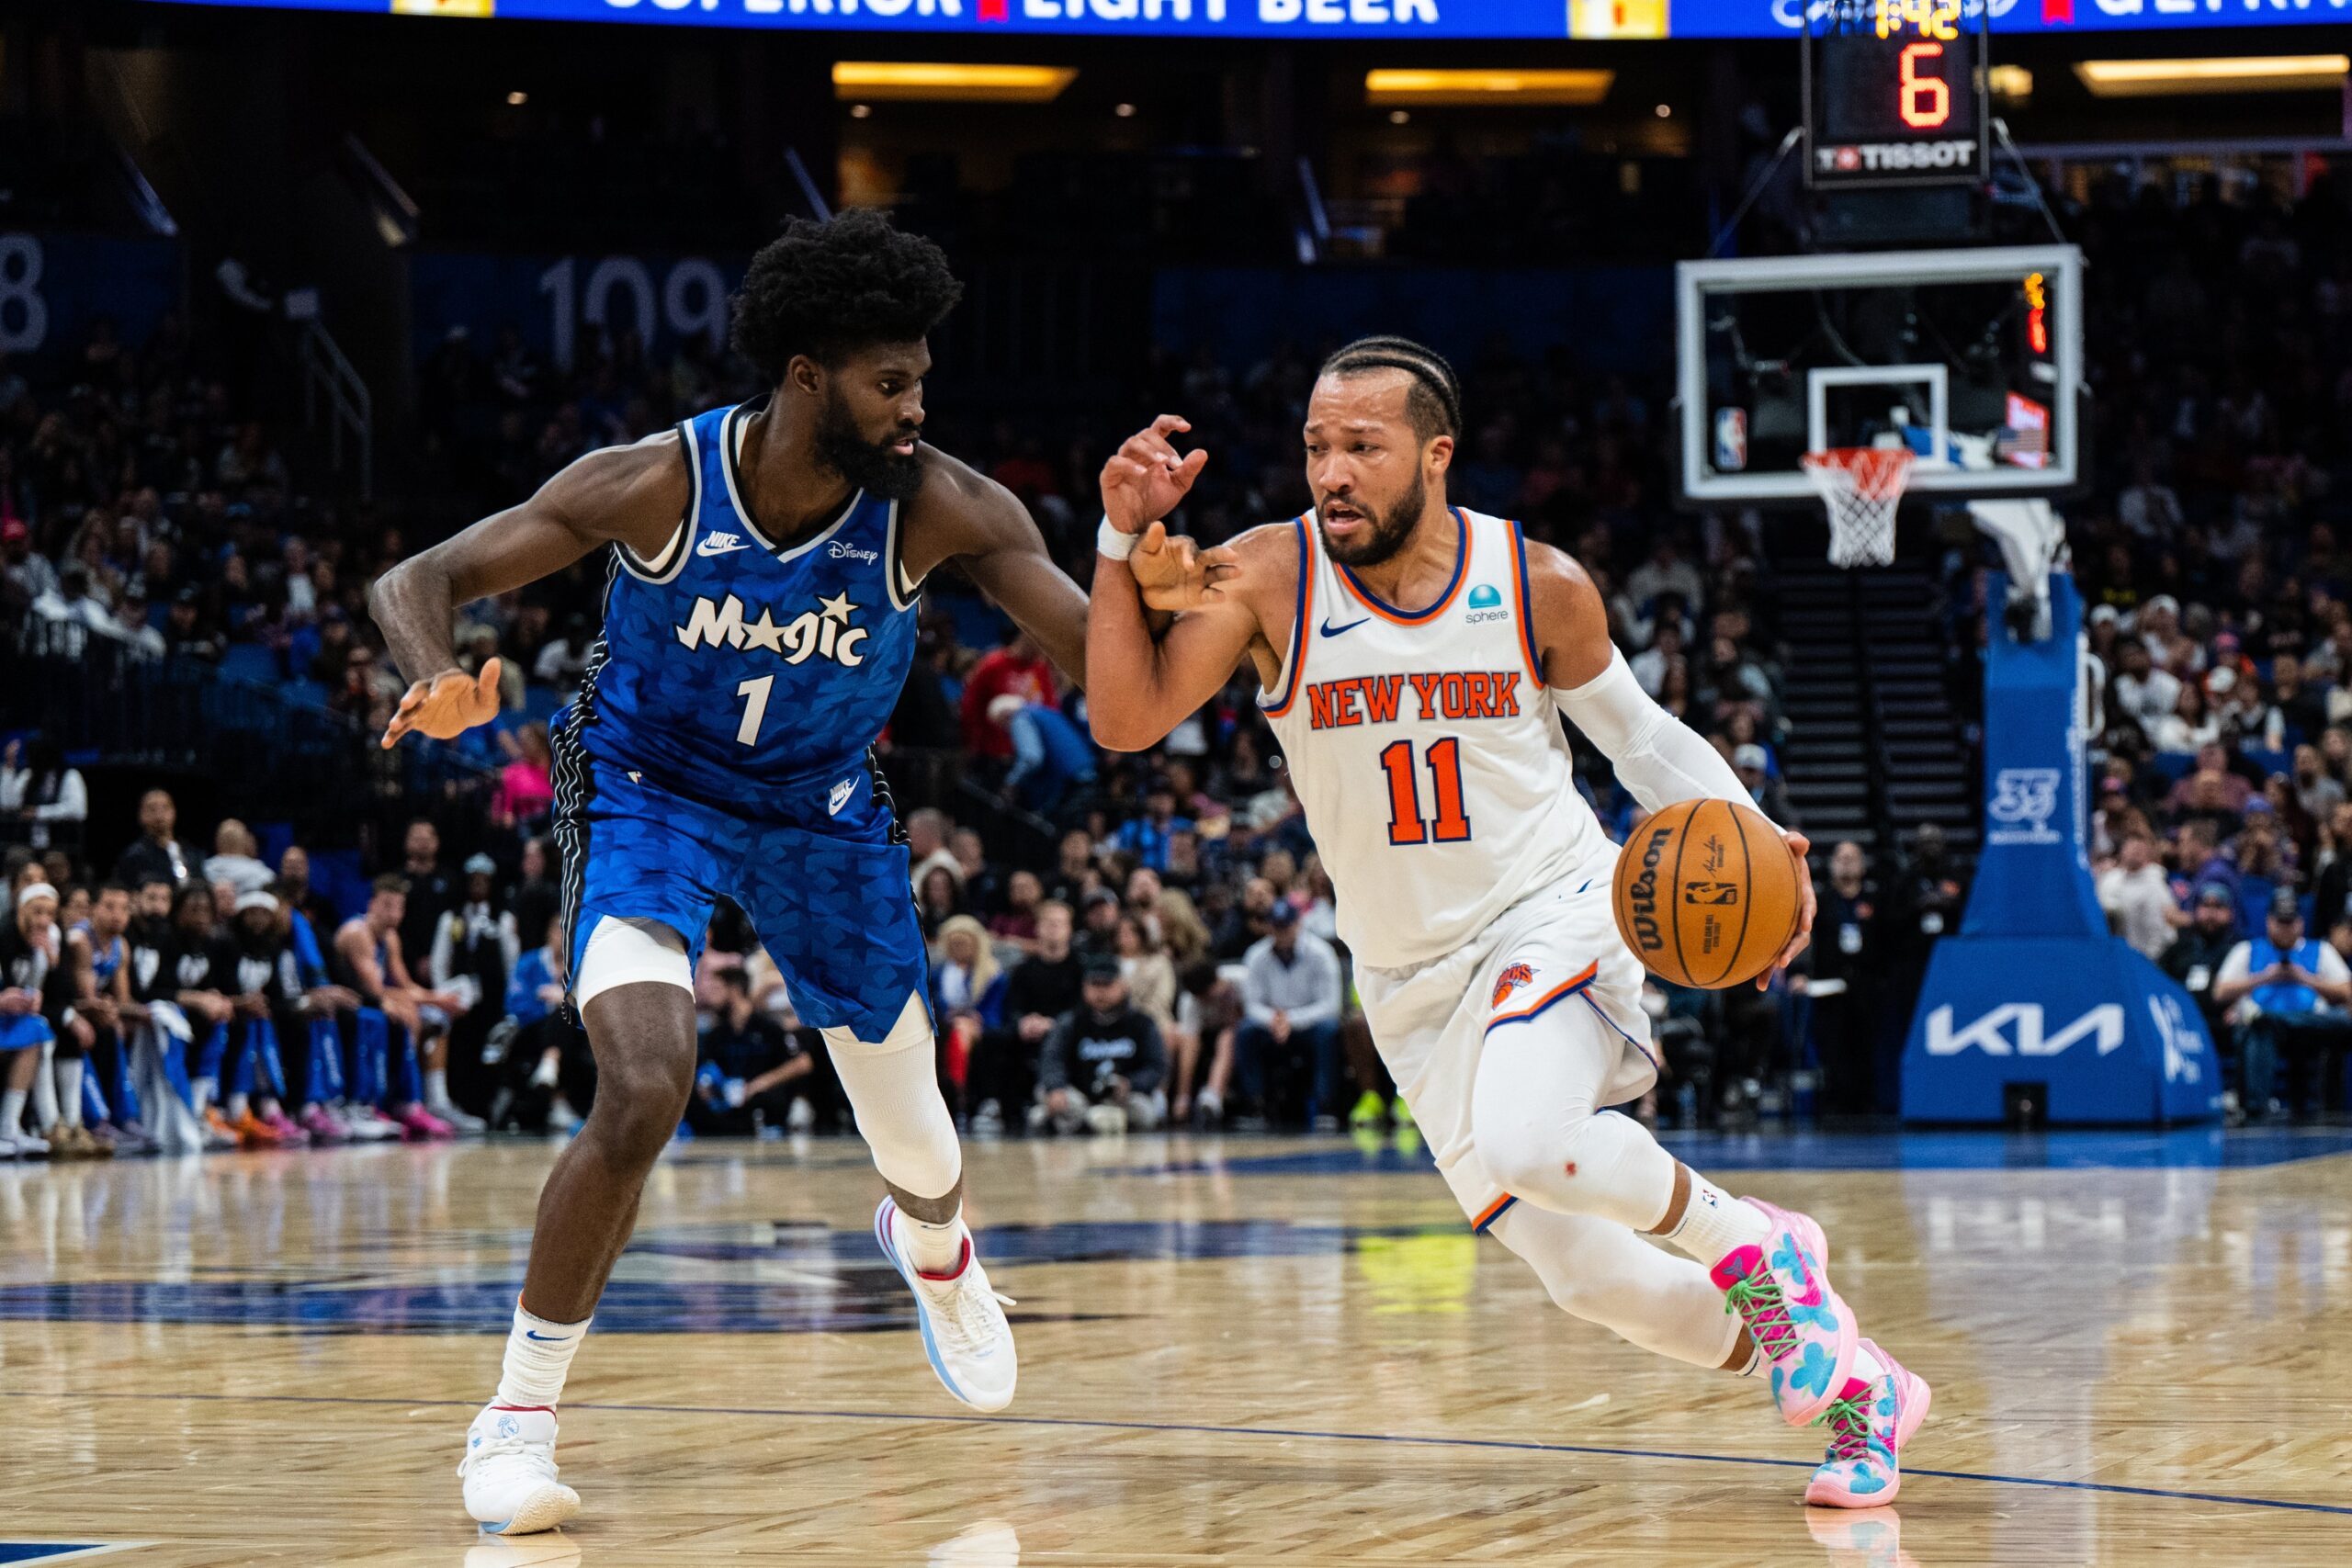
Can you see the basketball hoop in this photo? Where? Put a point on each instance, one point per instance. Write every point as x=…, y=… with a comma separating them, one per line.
x=1861, y=486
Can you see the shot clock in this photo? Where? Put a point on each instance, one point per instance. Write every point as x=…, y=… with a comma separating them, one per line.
x=1893, y=94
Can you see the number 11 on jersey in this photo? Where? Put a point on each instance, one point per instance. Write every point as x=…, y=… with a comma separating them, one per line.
x=1452, y=825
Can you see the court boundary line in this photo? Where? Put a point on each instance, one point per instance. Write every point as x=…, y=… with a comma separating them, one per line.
x=1508, y=1445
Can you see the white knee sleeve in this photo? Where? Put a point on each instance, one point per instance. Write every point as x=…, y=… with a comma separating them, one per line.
x=893, y=1086
x=1538, y=1130
x=625, y=951
x=1605, y=1274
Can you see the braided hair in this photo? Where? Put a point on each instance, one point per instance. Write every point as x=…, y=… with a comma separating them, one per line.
x=1434, y=401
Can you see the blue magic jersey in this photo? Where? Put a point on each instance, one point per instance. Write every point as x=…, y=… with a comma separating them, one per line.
x=742, y=674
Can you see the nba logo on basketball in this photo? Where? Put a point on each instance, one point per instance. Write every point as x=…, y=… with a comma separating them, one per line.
x=1511, y=980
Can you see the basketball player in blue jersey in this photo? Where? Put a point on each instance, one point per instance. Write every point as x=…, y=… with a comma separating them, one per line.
x=759, y=623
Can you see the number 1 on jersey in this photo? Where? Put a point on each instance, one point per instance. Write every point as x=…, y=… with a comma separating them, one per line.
x=1452, y=824
x=748, y=732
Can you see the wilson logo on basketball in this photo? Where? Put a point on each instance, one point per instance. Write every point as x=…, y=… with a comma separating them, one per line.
x=1643, y=894
x=1511, y=980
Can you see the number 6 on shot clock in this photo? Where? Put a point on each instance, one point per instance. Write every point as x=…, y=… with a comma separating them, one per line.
x=1893, y=94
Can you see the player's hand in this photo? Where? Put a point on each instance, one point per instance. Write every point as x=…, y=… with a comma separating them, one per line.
x=448, y=706
x=1175, y=574
x=1799, y=846
x=1146, y=477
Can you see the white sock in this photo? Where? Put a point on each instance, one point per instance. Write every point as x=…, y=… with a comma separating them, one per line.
x=237, y=1107
x=1716, y=1224
x=1755, y=1362
x=69, y=1091
x=539, y=1356
x=1211, y=1102
x=200, y=1091
x=45, y=1089
x=436, y=1085
x=12, y=1112
x=1866, y=1366
x=936, y=1249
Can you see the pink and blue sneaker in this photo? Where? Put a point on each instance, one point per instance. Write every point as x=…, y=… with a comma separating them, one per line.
x=1869, y=1423
x=1780, y=1291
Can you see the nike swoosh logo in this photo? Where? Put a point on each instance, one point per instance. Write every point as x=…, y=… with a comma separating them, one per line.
x=545, y=1338
x=1330, y=630
x=705, y=548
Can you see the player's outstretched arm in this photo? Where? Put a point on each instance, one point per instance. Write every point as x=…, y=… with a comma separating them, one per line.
x=968, y=515
x=634, y=494
x=1658, y=759
x=1148, y=678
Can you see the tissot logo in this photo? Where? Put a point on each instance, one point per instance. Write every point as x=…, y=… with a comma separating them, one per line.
x=822, y=633
x=1885, y=157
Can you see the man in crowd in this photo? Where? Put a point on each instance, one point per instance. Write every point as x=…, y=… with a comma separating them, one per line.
x=475, y=947
x=2137, y=895
x=1847, y=958
x=1290, y=999
x=155, y=852
x=1018, y=668
x=235, y=859
x=1147, y=837
x=2292, y=993
x=1040, y=990
x=752, y=1072
x=432, y=892
x=548, y=1074
x=2196, y=955
x=1754, y=764
x=1105, y=1064
x=372, y=958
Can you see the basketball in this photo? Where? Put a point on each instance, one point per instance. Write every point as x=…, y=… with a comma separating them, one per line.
x=1707, y=893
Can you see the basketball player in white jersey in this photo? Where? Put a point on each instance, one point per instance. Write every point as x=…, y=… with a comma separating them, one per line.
x=1416, y=660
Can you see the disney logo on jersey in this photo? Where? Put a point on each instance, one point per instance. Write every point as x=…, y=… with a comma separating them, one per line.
x=822, y=633
x=1375, y=699
x=844, y=550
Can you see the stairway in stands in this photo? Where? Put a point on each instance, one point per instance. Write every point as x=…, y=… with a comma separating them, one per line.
x=1874, y=747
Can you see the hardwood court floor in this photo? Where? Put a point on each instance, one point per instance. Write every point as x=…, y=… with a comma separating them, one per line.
x=1249, y=1353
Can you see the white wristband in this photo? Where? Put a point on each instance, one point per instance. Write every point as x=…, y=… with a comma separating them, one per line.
x=1110, y=541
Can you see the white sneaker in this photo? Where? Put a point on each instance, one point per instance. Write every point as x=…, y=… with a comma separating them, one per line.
x=963, y=1330
x=23, y=1145
x=509, y=1470
x=802, y=1116
x=370, y=1126
x=561, y=1118
x=468, y=1125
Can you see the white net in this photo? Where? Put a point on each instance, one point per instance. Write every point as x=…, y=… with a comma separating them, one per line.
x=1861, y=486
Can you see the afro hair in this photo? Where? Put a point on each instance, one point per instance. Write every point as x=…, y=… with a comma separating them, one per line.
x=828, y=289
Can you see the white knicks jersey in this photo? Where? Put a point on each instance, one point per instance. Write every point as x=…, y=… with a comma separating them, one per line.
x=1427, y=750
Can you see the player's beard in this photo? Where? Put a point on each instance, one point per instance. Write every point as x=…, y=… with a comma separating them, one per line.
x=1388, y=530
x=869, y=465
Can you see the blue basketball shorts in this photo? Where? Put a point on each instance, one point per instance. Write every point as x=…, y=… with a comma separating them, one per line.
x=826, y=891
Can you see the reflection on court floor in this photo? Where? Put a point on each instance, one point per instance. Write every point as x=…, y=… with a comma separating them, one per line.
x=1236, y=1351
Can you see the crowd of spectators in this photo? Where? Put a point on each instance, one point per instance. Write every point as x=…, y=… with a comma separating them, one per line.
x=1164, y=949
x=2221, y=610
x=140, y=502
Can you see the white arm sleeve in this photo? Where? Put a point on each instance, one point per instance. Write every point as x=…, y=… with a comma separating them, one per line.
x=1659, y=759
